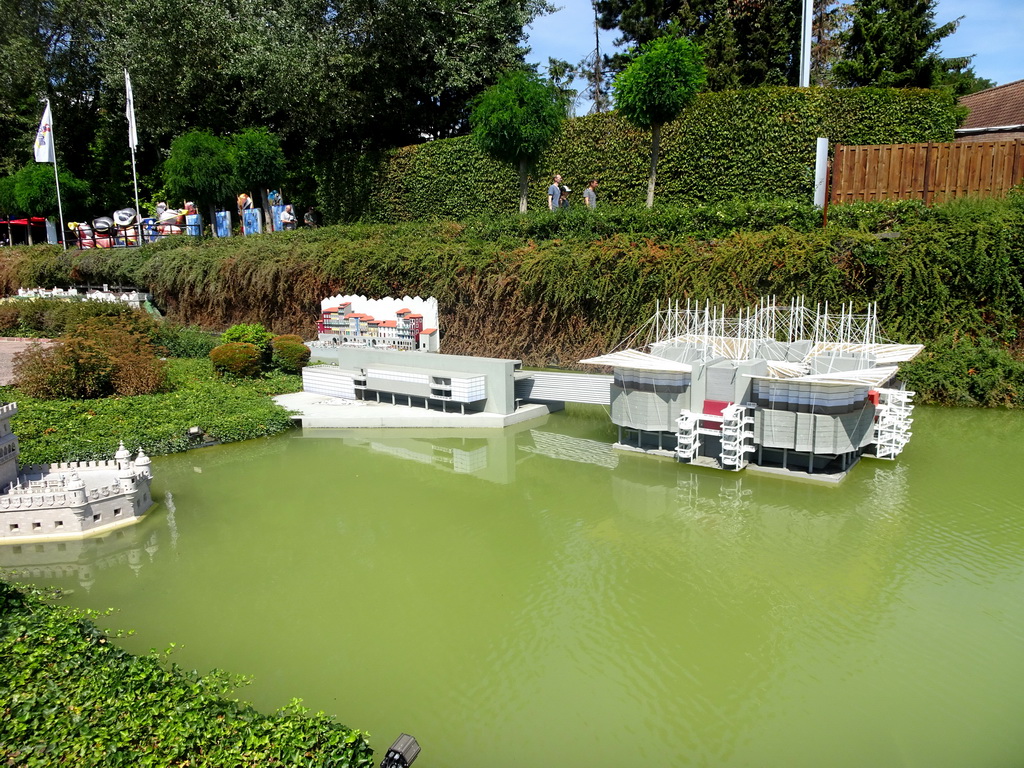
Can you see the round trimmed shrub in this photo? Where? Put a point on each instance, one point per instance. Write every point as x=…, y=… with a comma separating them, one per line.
x=289, y=356
x=249, y=333
x=237, y=358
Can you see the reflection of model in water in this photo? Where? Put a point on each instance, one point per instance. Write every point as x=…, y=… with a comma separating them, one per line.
x=79, y=562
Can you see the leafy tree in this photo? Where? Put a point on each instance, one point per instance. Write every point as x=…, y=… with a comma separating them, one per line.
x=893, y=43
x=657, y=87
x=48, y=49
x=200, y=167
x=830, y=19
x=963, y=80
x=8, y=204
x=259, y=161
x=745, y=42
x=768, y=42
x=562, y=75
x=8, y=201
x=20, y=82
x=516, y=119
x=417, y=67
x=35, y=193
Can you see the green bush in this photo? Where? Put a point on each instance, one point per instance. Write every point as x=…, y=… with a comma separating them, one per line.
x=237, y=358
x=956, y=370
x=248, y=333
x=72, y=697
x=292, y=337
x=103, y=356
x=10, y=320
x=187, y=341
x=289, y=356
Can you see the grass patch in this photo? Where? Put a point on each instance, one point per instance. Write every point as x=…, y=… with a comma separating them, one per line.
x=81, y=430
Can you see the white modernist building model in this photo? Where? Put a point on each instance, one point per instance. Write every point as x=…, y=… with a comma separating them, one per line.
x=779, y=385
x=68, y=500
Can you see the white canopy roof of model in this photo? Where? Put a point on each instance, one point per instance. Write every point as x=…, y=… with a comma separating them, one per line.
x=863, y=377
x=639, y=361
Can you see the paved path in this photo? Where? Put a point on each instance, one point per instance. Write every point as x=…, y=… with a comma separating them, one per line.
x=8, y=349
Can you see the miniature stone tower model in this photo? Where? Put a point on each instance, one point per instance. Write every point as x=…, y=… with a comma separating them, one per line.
x=8, y=446
x=70, y=499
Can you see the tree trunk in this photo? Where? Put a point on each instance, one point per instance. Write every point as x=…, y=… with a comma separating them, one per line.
x=28, y=229
x=267, y=212
x=655, y=143
x=213, y=219
x=524, y=186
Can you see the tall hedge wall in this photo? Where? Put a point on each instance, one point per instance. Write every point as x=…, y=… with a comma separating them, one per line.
x=735, y=143
x=553, y=288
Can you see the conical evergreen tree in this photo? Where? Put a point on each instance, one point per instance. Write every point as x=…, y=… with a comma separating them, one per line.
x=893, y=43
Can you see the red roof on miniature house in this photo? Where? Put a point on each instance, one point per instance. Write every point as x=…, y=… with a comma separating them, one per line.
x=411, y=316
x=330, y=309
x=402, y=311
x=389, y=324
x=428, y=331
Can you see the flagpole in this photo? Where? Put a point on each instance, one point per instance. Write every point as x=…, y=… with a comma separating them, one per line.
x=133, y=139
x=56, y=179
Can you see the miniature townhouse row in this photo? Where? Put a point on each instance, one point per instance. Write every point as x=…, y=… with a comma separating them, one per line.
x=340, y=325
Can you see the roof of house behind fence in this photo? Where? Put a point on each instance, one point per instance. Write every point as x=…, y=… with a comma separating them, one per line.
x=1002, y=105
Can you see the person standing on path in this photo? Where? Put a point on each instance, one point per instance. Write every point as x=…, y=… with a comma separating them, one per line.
x=555, y=193
x=590, y=194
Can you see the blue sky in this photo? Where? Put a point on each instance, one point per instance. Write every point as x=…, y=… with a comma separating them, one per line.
x=991, y=30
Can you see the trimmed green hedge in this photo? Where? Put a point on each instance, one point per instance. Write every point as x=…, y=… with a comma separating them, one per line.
x=753, y=142
x=552, y=290
x=72, y=697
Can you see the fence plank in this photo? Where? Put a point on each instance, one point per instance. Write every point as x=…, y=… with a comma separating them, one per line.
x=931, y=172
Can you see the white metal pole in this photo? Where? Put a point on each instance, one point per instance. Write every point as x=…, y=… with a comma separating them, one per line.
x=805, y=44
x=56, y=179
x=138, y=211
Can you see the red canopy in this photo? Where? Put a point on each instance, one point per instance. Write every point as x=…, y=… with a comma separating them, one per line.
x=36, y=221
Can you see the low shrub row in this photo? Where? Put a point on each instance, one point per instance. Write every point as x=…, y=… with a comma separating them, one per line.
x=70, y=696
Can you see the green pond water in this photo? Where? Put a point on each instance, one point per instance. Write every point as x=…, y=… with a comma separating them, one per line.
x=531, y=597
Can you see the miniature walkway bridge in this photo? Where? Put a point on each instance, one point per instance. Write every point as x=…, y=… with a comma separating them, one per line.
x=548, y=386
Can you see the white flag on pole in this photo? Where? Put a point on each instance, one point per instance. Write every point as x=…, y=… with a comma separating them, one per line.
x=129, y=110
x=44, y=138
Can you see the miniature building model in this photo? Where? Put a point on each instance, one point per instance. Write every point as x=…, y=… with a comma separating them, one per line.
x=776, y=386
x=444, y=382
x=355, y=321
x=68, y=500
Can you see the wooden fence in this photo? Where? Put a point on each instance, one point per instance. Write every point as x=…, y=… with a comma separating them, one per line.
x=931, y=172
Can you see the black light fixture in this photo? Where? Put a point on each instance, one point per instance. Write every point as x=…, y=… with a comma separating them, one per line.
x=402, y=753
